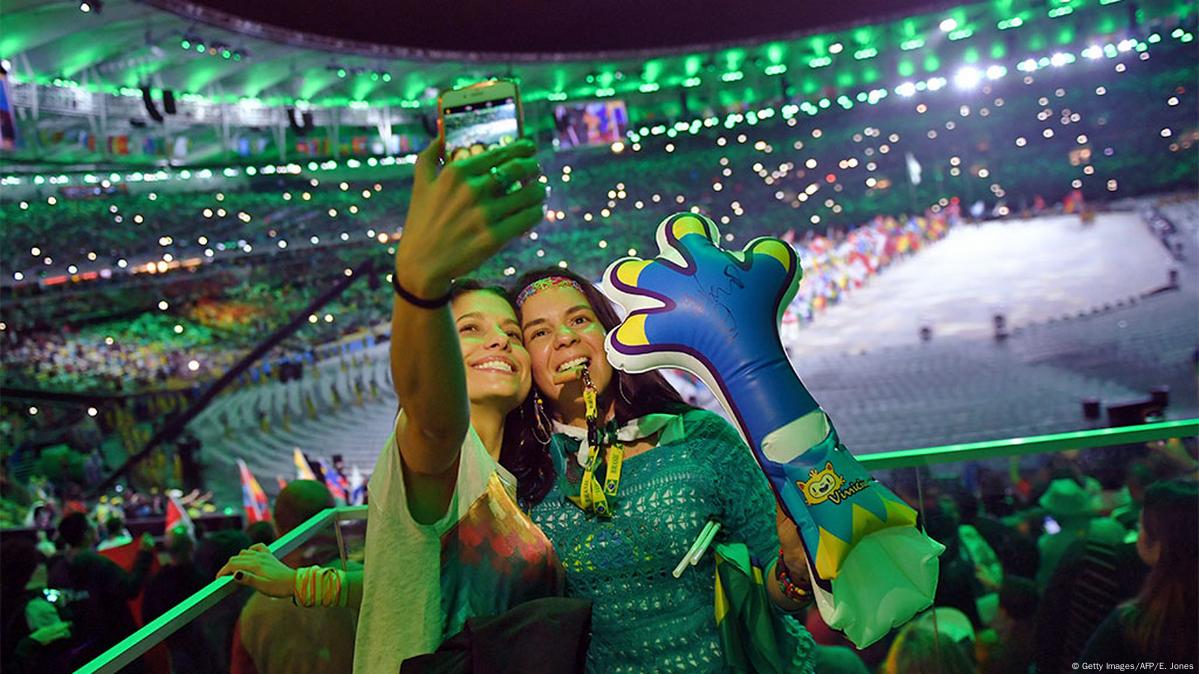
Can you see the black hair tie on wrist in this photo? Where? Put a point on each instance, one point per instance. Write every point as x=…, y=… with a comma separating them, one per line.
x=435, y=303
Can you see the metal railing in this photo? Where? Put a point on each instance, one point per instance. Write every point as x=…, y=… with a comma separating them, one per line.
x=153, y=633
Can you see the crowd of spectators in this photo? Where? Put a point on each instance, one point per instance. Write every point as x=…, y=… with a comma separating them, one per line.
x=1049, y=561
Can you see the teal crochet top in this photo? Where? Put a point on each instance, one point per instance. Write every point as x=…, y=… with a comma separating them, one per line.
x=644, y=619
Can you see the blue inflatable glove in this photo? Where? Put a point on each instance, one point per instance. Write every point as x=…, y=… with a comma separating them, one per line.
x=716, y=313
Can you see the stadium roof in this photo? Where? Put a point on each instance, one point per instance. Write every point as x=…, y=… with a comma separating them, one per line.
x=198, y=48
x=566, y=27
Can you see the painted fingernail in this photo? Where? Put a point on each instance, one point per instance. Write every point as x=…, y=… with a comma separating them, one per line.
x=239, y=575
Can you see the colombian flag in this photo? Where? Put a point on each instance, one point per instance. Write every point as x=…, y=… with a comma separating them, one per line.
x=252, y=496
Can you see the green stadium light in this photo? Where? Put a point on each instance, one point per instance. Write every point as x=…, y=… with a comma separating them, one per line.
x=649, y=87
x=914, y=43
x=732, y=76
x=1060, y=11
x=820, y=62
x=1014, y=22
x=185, y=43
x=777, y=69
x=865, y=53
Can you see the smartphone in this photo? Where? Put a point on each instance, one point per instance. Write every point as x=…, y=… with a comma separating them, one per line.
x=1051, y=526
x=478, y=117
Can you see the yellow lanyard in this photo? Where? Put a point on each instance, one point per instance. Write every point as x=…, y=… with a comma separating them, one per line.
x=592, y=496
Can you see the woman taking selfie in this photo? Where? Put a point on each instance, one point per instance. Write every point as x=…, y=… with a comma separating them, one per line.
x=446, y=541
x=674, y=468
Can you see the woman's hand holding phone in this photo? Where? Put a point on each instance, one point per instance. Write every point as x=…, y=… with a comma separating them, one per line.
x=461, y=216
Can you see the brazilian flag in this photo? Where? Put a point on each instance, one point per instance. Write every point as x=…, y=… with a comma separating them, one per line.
x=755, y=636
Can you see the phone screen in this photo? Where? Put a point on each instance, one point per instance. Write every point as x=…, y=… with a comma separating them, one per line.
x=1051, y=526
x=475, y=127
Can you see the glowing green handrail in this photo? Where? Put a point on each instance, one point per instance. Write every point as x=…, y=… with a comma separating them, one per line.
x=1036, y=444
x=162, y=627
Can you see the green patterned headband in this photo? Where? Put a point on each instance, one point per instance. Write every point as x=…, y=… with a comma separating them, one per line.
x=545, y=284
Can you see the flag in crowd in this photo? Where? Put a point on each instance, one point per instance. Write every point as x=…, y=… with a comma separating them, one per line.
x=252, y=496
x=335, y=481
x=303, y=470
x=177, y=517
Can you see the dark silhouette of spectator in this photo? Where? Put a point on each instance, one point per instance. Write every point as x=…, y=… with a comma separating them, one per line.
x=1014, y=628
x=34, y=635
x=116, y=533
x=99, y=589
x=174, y=583
x=273, y=635
x=957, y=584
x=1159, y=624
x=920, y=650
x=262, y=532
x=1092, y=578
x=217, y=623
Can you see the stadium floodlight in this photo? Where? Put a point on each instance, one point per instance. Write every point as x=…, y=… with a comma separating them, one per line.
x=89, y=6
x=1061, y=58
x=906, y=89
x=967, y=77
x=948, y=25
x=995, y=72
x=1093, y=52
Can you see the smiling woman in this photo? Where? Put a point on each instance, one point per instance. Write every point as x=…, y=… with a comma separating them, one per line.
x=624, y=478
x=447, y=541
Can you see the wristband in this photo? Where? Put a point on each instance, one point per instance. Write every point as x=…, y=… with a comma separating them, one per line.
x=320, y=586
x=435, y=303
x=790, y=588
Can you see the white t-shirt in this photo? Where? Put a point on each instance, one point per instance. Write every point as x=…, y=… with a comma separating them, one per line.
x=466, y=556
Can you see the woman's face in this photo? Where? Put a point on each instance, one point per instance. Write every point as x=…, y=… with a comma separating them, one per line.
x=497, y=364
x=562, y=333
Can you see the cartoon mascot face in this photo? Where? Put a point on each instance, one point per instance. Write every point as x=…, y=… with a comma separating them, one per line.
x=820, y=484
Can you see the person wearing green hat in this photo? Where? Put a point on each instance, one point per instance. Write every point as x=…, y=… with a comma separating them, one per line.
x=1075, y=509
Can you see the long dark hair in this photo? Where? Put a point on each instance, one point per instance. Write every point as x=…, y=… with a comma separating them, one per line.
x=633, y=395
x=1161, y=619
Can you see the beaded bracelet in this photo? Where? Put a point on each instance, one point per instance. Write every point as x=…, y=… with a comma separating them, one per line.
x=790, y=589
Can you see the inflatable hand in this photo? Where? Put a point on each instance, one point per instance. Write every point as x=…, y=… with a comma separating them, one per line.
x=715, y=313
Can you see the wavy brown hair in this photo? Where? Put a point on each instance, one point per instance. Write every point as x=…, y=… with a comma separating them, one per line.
x=1161, y=619
x=633, y=395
